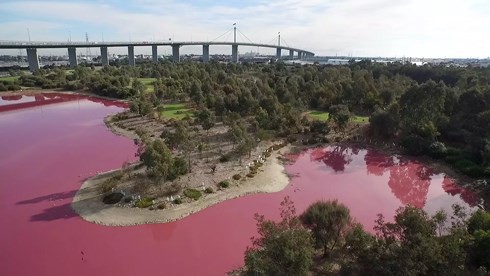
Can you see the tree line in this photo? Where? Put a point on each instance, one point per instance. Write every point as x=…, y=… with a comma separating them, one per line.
x=440, y=111
x=326, y=240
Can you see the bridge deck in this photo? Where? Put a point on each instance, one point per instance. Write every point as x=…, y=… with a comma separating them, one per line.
x=50, y=45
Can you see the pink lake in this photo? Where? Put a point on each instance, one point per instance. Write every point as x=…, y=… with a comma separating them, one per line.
x=51, y=142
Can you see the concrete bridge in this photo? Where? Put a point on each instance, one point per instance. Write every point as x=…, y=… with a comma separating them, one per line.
x=33, y=60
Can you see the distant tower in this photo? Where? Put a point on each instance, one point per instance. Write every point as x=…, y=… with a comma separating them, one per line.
x=87, y=54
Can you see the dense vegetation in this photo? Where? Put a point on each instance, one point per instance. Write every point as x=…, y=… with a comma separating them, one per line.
x=325, y=240
x=443, y=112
x=438, y=111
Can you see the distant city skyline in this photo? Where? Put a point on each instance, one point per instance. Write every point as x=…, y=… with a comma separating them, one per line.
x=416, y=28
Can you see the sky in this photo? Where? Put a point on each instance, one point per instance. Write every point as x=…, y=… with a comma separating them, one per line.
x=375, y=28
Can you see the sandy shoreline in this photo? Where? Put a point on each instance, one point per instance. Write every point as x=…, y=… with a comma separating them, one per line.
x=87, y=202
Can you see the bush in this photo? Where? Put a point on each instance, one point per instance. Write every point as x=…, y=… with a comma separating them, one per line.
x=209, y=190
x=193, y=194
x=117, y=176
x=162, y=206
x=112, y=198
x=127, y=199
x=144, y=202
x=237, y=177
x=469, y=168
x=224, y=158
x=414, y=144
x=319, y=127
x=108, y=185
x=177, y=201
x=172, y=189
x=224, y=184
x=251, y=175
x=437, y=150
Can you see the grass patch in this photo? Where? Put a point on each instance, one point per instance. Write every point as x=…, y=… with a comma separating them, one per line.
x=323, y=116
x=147, y=82
x=360, y=119
x=144, y=202
x=9, y=79
x=193, y=194
x=224, y=184
x=319, y=115
x=177, y=201
x=176, y=111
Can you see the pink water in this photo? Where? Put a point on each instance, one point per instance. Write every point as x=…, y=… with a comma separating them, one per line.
x=47, y=149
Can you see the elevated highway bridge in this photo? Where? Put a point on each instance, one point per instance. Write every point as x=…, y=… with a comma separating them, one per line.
x=33, y=60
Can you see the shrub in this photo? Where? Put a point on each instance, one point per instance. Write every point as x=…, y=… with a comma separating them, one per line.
x=177, y=201
x=172, y=189
x=162, y=206
x=144, y=202
x=319, y=127
x=209, y=190
x=237, y=177
x=251, y=175
x=193, y=194
x=469, y=168
x=437, y=150
x=127, y=199
x=224, y=158
x=141, y=185
x=112, y=198
x=108, y=185
x=224, y=184
x=117, y=176
x=414, y=144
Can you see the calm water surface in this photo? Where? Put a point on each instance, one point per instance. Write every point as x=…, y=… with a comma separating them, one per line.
x=51, y=142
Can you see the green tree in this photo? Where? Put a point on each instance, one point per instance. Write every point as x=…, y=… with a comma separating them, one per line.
x=422, y=110
x=479, y=228
x=206, y=119
x=340, y=115
x=282, y=248
x=138, y=86
x=383, y=123
x=185, y=140
x=329, y=222
x=157, y=158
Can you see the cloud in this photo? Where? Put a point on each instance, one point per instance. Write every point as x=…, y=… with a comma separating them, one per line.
x=435, y=28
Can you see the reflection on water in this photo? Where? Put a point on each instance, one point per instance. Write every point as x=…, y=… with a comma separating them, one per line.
x=409, y=181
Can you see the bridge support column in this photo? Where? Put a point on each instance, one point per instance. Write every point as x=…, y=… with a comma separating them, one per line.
x=104, y=56
x=72, y=56
x=278, y=53
x=176, y=53
x=205, y=53
x=33, y=59
x=234, y=53
x=291, y=54
x=300, y=55
x=131, y=55
x=154, y=53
